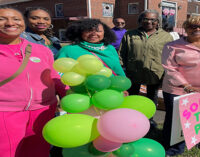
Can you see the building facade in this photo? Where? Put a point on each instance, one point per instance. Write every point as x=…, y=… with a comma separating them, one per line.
x=193, y=8
x=174, y=11
x=63, y=12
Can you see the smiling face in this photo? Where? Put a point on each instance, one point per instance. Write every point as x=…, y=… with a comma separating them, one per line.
x=39, y=21
x=149, y=22
x=119, y=23
x=11, y=24
x=94, y=35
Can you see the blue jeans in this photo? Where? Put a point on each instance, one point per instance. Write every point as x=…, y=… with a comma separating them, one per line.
x=178, y=148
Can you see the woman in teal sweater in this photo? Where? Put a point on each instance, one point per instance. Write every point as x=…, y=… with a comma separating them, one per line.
x=91, y=36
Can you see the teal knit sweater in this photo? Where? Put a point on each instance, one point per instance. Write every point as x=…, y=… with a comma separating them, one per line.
x=107, y=54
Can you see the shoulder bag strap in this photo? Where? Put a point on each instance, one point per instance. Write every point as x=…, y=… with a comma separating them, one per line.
x=104, y=63
x=21, y=68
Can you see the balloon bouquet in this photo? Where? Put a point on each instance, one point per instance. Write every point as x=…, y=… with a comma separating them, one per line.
x=119, y=130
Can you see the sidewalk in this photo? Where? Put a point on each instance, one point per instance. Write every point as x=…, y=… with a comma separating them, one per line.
x=159, y=116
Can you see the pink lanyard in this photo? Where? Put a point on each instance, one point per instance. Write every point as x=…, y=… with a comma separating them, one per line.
x=104, y=63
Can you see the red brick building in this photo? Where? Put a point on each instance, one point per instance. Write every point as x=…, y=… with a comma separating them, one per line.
x=63, y=11
x=193, y=7
x=130, y=9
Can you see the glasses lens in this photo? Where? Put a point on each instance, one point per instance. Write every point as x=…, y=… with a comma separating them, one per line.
x=194, y=26
x=121, y=23
x=152, y=20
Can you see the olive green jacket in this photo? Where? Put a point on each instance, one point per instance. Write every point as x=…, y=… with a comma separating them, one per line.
x=141, y=55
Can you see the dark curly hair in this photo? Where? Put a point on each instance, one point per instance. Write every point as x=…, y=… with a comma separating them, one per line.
x=76, y=28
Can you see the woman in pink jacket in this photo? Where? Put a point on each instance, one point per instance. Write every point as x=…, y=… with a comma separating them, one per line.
x=28, y=101
x=181, y=61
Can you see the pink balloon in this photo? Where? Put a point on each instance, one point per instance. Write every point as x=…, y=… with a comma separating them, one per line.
x=105, y=145
x=123, y=125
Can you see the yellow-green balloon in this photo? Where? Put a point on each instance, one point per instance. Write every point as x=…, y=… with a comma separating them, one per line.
x=83, y=57
x=64, y=65
x=71, y=130
x=91, y=66
x=139, y=103
x=78, y=69
x=72, y=79
x=105, y=72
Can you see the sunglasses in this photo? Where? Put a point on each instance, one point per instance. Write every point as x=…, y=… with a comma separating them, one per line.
x=147, y=20
x=120, y=23
x=194, y=26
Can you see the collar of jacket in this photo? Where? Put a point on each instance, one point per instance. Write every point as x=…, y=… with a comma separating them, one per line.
x=141, y=31
x=39, y=38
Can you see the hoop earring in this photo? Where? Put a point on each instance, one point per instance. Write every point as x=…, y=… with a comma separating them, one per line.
x=51, y=26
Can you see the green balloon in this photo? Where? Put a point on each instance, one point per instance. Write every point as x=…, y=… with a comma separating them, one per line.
x=71, y=130
x=145, y=147
x=75, y=103
x=79, y=89
x=97, y=82
x=120, y=83
x=94, y=151
x=107, y=99
x=141, y=104
x=126, y=150
x=69, y=91
x=81, y=151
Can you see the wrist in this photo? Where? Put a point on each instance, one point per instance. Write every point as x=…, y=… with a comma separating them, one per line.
x=187, y=88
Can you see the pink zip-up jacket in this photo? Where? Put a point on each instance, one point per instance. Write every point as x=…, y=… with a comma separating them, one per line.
x=181, y=62
x=36, y=86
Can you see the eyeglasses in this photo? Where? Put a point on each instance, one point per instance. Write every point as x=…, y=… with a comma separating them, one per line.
x=147, y=20
x=194, y=26
x=120, y=23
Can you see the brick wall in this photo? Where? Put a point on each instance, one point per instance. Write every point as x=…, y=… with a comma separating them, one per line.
x=192, y=8
x=72, y=8
x=131, y=19
x=97, y=10
x=181, y=13
x=79, y=8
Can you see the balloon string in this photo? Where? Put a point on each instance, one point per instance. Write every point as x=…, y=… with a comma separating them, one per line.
x=97, y=111
x=89, y=94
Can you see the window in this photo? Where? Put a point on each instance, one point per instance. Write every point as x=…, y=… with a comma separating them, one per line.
x=59, y=10
x=133, y=8
x=169, y=13
x=107, y=10
x=62, y=35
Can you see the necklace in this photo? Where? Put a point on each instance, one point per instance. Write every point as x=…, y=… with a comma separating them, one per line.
x=101, y=48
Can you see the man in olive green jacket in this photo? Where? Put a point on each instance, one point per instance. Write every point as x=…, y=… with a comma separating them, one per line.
x=140, y=53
